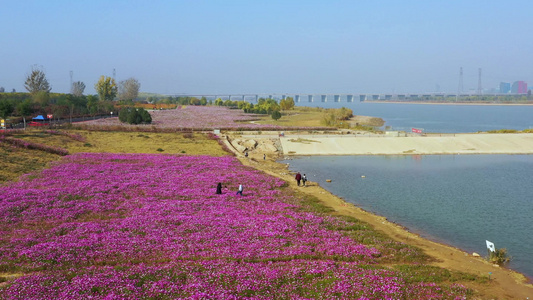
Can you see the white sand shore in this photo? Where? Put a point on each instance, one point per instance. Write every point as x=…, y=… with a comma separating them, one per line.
x=474, y=143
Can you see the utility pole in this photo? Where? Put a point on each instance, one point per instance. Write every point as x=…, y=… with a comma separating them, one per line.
x=479, y=88
x=460, y=89
x=71, y=81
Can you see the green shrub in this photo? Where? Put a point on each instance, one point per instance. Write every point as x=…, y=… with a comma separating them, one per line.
x=276, y=115
x=503, y=131
x=134, y=116
x=500, y=256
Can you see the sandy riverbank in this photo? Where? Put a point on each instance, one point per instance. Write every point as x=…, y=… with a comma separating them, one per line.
x=475, y=143
x=505, y=283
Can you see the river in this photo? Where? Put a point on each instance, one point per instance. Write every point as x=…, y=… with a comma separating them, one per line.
x=441, y=118
x=460, y=200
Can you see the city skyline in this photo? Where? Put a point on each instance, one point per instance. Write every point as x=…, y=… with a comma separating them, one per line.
x=216, y=47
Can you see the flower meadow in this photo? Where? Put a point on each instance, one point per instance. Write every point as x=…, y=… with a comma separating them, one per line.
x=189, y=118
x=139, y=226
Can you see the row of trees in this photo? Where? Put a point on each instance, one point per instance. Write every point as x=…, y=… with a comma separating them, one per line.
x=39, y=98
x=106, y=87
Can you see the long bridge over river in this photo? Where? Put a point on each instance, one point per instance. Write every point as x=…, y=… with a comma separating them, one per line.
x=309, y=98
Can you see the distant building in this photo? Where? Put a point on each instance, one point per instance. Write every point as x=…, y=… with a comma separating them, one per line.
x=519, y=87
x=505, y=87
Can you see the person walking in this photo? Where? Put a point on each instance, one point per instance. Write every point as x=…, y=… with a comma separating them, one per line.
x=219, y=188
x=298, y=178
x=304, y=179
x=240, y=190
x=264, y=156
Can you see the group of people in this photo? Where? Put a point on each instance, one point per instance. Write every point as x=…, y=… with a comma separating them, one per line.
x=301, y=179
x=246, y=155
x=219, y=189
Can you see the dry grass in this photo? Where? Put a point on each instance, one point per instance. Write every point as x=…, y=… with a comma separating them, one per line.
x=299, y=116
x=312, y=117
x=144, y=142
x=17, y=161
x=129, y=142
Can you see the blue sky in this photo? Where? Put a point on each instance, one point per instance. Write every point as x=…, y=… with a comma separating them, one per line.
x=210, y=47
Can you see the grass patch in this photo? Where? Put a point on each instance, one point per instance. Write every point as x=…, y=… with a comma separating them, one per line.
x=503, y=131
x=312, y=204
x=425, y=273
x=297, y=117
x=17, y=161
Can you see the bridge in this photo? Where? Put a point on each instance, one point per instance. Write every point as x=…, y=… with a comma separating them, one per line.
x=348, y=98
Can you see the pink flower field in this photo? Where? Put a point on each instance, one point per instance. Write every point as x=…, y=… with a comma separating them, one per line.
x=195, y=118
x=139, y=226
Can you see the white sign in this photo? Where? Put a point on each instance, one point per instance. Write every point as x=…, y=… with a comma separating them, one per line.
x=490, y=246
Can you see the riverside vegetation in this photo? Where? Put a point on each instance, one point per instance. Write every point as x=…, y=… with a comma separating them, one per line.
x=131, y=221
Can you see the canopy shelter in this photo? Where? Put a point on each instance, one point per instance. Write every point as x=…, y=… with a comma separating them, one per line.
x=40, y=118
x=39, y=121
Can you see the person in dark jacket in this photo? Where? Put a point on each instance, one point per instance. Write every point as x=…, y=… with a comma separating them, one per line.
x=298, y=178
x=219, y=188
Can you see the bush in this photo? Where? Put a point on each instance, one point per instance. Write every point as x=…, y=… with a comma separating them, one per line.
x=134, y=116
x=499, y=256
x=276, y=115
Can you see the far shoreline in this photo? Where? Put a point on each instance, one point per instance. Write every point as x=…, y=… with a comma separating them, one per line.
x=451, y=103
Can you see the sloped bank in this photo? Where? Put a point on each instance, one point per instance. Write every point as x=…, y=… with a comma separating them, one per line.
x=504, y=283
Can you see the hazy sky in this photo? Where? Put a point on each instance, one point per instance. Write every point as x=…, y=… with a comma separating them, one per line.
x=209, y=47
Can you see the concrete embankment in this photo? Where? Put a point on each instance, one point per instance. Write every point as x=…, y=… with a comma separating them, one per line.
x=475, y=143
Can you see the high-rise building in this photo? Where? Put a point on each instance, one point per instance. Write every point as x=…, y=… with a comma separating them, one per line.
x=519, y=87
x=505, y=87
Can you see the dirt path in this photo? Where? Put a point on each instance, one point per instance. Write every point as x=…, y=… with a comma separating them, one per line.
x=505, y=283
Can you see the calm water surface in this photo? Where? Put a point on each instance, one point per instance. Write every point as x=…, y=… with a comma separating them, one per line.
x=460, y=200
x=442, y=118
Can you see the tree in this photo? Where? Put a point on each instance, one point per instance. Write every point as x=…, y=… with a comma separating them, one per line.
x=24, y=109
x=128, y=89
x=106, y=88
x=276, y=115
x=36, y=81
x=78, y=88
x=92, y=104
x=287, y=103
x=41, y=97
x=6, y=108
